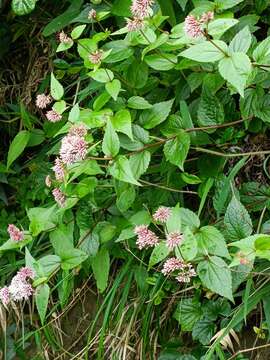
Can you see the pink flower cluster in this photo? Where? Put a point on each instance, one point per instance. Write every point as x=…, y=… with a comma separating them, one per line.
x=42, y=101
x=184, y=271
x=92, y=14
x=20, y=288
x=193, y=27
x=140, y=10
x=174, y=239
x=59, y=197
x=64, y=38
x=53, y=116
x=15, y=233
x=59, y=169
x=162, y=214
x=146, y=238
x=73, y=148
x=96, y=57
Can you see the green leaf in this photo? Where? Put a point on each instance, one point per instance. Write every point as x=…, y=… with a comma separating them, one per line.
x=188, y=247
x=122, y=122
x=17, y=146
x=102, y=75
x=42, y=219
x=160, y=252
x=57, y=90
x=161, y=62
x=237, y=221
x=242, y=41
x=12, y=245
x=188, y=312
x=77, y=31
x=85, y=186
x=211, y=241
x=23, y=7
x=72, y=258
x=126, y=198
x=64, y=46
x=62, y=238
x=226, y=4
x=88, y=167
x=121, y=7
x=210, y=110
x=173, y=223
x=206, y=51
x=113, y=88
x=110, y=143
x=235, y=69
x=156, y=115
x=163, y=38
x=74, y=114
x=121, y=170
x=101, y=267
x=168, y=10
x=261, y=54
x=176, y=149
x=189, y=219
x=190, y=179
x=203, y=331
x=42, y=294
x=137, y=102
x=101, y=100
x=139, y=163
x=216, y=276
x=217, y=28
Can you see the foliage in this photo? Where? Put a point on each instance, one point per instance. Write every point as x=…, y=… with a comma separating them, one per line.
x=173, y=117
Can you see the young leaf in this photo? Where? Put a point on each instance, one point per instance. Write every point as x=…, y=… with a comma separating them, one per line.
x=77, y=31
x=206, y=51
x=101, y=266
x=235, y=69
x=176, y=149
x=110, y=143
x=57, y=90
x=17, y=146
x=121, y=170
x=113, y=88
x=42, y=297
x=237, y=221
x=216, y=276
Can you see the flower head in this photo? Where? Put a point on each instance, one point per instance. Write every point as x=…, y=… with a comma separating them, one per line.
x=48, y=181
x=141, y=8
x=5, y=295
x=186, y=273
x=134, y=24
x=59, y=169
x=173, y=239
x=20, y=289
x=206, y=17
x=64, y=38
x=192, y=27
x=73, y=148
x=92, y=14
x=42, y=101
x=171, y=265
x=162, y=214
x=146, y=238
x=59, y=197
x=53, y=116
x=26, y=273
x=79, y=130
x=15, y=233
x=96, y=56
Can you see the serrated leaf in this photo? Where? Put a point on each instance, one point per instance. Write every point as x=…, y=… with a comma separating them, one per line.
x=156, y=115
x=210, y=110
x=176, y=150
x=122, y=122
x=237, y=221
x=110, y=143
x=216, y=276
x=139, y=163
x=137, y=102
x=217, y=28
x=17, y=146
x=188, y=247
x=121, y=170
x=57, y=90
x=188, y=312
x=211, y=241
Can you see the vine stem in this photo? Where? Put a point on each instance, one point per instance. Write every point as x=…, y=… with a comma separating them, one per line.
x=168, y=188
x=229, y=155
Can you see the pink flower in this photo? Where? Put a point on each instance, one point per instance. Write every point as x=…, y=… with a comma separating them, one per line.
x=20, y=289
x=92, y=14
x=73, y=148
x=42, y=101
x=96, y=57
x=171, y=265
x=48, y=181
x=162, y=214
x=134, y=24
x=53, y=116
x=173, y=239
x=5, y=295
x=141, y=8
x=186, y=273
x=192, y=27
x=64, y=38
x=206, y=17
x=146, y=238
x=59, y=197
x=15, y=233
x=25, y=272
x=79, y=130
x=59, y=169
